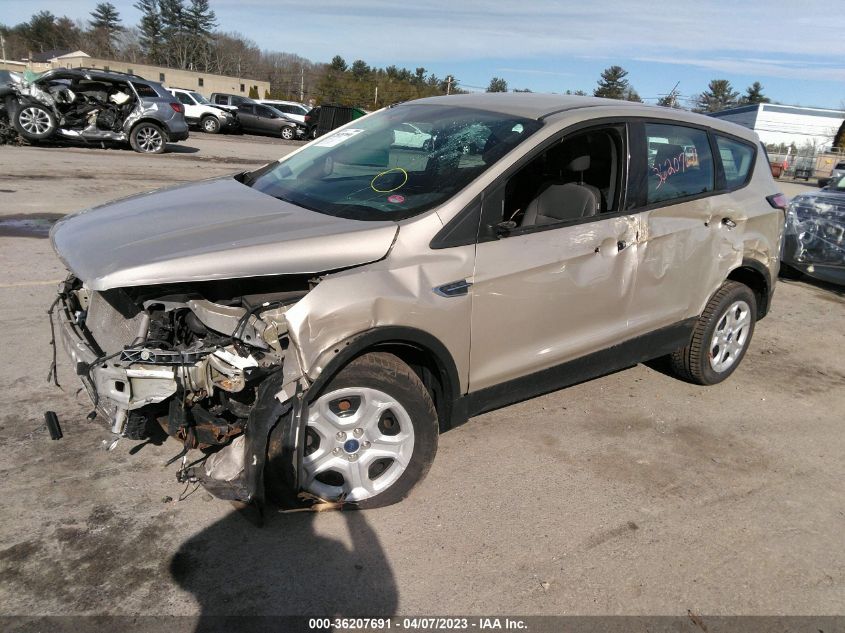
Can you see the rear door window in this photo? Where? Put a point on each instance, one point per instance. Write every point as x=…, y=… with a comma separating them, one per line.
x=679, y=160
x=737, y=159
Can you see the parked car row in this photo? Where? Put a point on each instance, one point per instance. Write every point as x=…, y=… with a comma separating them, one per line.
x=236, y=113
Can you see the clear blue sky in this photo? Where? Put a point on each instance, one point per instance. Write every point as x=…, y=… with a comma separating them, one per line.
x=795, y=49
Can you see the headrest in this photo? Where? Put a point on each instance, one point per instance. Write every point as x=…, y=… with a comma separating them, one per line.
x=582, y=163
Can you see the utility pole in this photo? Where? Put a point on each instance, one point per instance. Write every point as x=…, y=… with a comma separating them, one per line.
x=3, y=46
x=674, y=94
x=449, y=84
x=375, y=100
x=301, y=84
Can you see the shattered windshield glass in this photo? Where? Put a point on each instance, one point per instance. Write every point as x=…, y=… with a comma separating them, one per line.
x=394, y=164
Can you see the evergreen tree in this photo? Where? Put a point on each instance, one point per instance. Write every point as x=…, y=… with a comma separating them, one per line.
x=173, y=16
x=497, y=84
x=338, y=64
x=613, y=84
x=360, y=69
x=719, y=95
x=839, y=139
x=41, y=31
x=200, y=19
x=632, y=95
x=151, y=28
x=105, y=25
x=754, y=94
x=253, y=92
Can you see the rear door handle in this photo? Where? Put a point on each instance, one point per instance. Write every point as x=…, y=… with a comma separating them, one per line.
x=621, y=245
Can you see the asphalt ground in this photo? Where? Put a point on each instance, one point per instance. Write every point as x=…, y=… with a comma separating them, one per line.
x=631, y=494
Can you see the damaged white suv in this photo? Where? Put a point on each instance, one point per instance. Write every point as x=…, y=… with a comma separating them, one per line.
x=314, y=324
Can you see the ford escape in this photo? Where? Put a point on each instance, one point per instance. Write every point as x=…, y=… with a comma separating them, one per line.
x=313, y=325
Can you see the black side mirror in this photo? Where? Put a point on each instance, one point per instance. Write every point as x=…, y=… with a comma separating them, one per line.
x=503, y=229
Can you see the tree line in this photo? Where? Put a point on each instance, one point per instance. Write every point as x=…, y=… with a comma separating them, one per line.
x=185, y=34
x=613, y=84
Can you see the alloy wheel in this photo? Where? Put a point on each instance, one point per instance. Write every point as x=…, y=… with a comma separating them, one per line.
x=34, y=120
x=149, y=139
x=730, y=336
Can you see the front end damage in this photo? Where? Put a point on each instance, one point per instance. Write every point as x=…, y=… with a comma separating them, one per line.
x=216, y=372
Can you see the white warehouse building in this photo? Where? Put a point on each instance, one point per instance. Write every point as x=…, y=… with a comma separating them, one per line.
x=776, y=124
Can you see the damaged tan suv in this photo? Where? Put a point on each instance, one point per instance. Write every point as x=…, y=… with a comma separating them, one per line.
x=313, y=325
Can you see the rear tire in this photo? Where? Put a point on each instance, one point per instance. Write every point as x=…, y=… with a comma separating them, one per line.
x=371, y=434
x=147, y=138
x=34, y=122
x=720, y=338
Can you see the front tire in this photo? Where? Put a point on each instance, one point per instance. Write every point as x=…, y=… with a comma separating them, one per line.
x=210, y=125
x=371, y=435
x=147, y=138
x=720, y=338
x=34, y=122
x=287, y=133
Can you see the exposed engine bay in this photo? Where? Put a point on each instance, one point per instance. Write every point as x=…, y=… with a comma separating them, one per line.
x=185, y=361
x=91, y=105
x=87, y=105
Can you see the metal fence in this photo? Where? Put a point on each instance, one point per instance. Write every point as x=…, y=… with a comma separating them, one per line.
x=807, y=162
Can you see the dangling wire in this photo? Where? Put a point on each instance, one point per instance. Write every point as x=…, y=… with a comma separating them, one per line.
x=53, y=373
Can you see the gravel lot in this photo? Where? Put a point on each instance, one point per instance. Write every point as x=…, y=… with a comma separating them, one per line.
x=631, y=494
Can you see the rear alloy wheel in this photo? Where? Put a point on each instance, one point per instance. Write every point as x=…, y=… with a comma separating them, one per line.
x=287, y=133
x=371, y=435
x=720, y=338
x=147, y=138
x=210, y=124
x=35, y=122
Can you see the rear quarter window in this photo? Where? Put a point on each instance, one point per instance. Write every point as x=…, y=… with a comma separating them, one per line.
x=737, y=160
x=144, y=90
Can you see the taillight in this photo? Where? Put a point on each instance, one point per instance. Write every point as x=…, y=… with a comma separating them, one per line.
x=778, y=201
x=178, y=107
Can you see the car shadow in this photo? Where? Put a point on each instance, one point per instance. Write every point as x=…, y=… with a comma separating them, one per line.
x=286, y=567
x=172, y=148
x=816, y=283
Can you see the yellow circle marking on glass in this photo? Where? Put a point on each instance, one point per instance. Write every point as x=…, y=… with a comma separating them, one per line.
x=377, y=176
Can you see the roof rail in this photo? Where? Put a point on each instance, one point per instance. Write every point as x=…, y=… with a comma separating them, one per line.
x=110, y=72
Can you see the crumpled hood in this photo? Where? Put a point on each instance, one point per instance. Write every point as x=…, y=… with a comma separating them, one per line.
x=215, y=229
